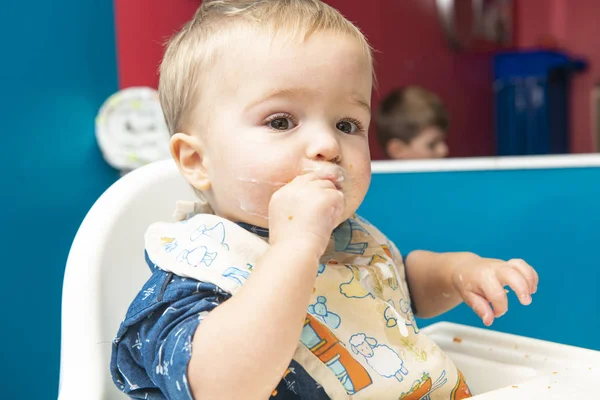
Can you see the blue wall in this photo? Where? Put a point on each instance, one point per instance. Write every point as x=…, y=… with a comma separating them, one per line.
x=548, y=217
x=58, y=66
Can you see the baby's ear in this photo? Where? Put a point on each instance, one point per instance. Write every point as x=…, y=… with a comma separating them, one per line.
x=188, y=152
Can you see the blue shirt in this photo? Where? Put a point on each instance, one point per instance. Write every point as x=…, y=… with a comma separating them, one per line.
x=153, y=347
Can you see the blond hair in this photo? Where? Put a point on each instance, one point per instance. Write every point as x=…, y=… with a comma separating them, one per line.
x=405, y=113
x=195, y=48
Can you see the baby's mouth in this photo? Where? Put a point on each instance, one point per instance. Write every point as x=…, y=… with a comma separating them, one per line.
x=331, y=173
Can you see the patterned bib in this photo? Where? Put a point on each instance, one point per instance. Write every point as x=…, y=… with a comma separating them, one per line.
x=360, y=339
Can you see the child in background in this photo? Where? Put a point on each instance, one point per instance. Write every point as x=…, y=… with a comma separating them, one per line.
x=412, y=123
x=270, y=286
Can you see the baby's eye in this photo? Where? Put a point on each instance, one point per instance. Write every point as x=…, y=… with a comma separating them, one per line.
x=347, y=127
x=281, y=124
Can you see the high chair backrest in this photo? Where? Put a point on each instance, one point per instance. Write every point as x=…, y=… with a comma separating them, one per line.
x=104, y=272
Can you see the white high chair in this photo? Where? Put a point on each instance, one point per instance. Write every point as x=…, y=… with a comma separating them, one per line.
x=106, y=268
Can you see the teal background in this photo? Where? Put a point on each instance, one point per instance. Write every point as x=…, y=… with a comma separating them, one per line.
x=58, y=66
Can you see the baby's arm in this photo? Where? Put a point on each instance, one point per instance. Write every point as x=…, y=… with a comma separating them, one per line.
x=429, y=276
x=241, y=350
x=441, y=281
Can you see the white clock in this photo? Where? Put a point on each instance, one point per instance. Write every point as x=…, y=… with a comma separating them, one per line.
x=131, y=130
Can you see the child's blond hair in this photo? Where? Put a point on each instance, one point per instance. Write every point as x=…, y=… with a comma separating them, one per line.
x=196, y=47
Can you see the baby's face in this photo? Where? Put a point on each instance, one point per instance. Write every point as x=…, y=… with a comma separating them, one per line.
x=280, y=108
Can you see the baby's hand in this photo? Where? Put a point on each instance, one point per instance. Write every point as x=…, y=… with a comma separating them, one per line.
x=481, y=281
x=306, y=211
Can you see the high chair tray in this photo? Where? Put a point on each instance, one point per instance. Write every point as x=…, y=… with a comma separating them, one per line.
x=504, y=366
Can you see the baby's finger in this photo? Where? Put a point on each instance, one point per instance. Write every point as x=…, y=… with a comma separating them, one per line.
x=495, y=294
x=481, y=307
x=325, y=184
x=512, y=277
x=528, y=272
x=305, y=177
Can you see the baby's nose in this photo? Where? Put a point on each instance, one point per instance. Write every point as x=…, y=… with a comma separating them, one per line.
x=324, y=146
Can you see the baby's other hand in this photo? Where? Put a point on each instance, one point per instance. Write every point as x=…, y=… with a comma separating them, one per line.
x=481, y=281
x=306, y=210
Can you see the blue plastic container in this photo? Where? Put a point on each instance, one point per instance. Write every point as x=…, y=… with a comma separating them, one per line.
x=531, y=92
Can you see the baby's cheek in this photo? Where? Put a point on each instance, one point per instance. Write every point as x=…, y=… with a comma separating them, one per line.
x=356, y=190
x=256, y=183
x=253, y=198
x=267, y=167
